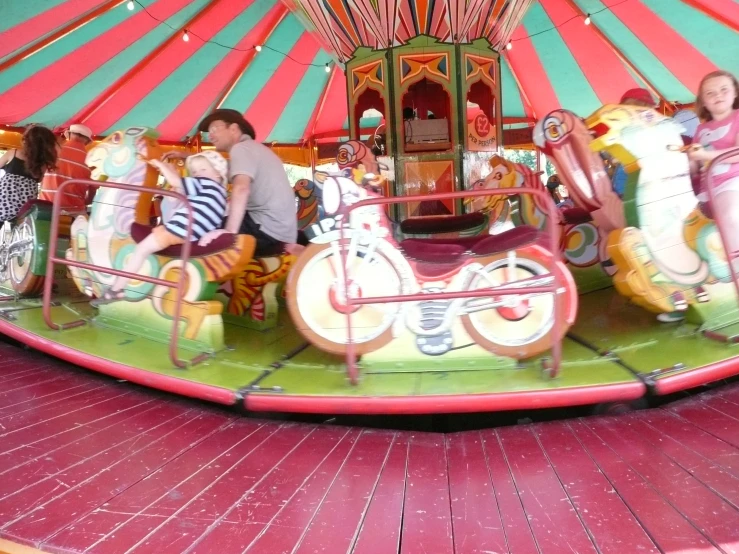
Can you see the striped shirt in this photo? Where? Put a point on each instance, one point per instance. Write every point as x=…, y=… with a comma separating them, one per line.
x=69, y=165
x=208, y=201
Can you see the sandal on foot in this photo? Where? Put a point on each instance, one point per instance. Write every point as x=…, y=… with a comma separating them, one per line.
x=108, y=297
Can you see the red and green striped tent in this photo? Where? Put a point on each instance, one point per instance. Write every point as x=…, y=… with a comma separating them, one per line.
x=97, y=62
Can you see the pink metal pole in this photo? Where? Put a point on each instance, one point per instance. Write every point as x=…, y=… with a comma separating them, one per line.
x=552, y=230
x=724, y=229
x=180, y=285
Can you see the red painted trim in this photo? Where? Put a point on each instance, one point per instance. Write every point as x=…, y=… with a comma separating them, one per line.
x=597, y=59
x=530, y=74
x=120, y=371
x=699, y=376
x=461, y=403
x=218, y=84
x=46, y=85
x=132, y=87
x=679, y=56
x=267, y=107
x=723, y=11
x=30, y=30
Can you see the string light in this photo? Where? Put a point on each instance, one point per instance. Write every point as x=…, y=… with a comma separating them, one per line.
x=578, y=16
x=508, y=46
x=328, y=69
x=187, y=33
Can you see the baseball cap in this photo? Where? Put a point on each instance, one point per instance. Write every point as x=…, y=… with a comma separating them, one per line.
x=228, y=116
x=639, y=94
x=81, y=130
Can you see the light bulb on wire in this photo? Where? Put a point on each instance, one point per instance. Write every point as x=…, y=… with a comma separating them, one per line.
x=258, y=48
x=328, y=69
x=130, y=5
x=587, y=20
x=508, y=46
x=185, y=36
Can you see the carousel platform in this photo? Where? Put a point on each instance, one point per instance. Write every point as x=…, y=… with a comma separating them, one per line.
x=615, y=352
x=90, y=464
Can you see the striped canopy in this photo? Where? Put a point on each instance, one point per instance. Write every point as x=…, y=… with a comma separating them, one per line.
x=97, y=62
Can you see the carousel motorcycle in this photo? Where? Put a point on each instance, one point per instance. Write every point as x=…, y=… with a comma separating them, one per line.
x=517, y=326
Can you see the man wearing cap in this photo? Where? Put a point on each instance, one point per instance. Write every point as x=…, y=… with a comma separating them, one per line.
x=262, y=200
x=70, y=165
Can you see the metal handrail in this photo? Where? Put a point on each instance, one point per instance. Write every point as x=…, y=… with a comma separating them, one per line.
x=180, y=285
x=551, y=213
x=723, y=227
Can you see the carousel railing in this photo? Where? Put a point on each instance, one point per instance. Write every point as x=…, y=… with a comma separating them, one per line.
x=724, y=228
x=552, y=232
x=179, y=285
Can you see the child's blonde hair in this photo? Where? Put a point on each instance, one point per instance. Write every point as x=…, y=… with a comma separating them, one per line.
x=703, y=112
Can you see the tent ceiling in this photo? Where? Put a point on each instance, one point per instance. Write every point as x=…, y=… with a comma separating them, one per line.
x=96, y=62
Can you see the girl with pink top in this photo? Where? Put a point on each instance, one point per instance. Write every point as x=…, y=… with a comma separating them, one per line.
x=718, y=107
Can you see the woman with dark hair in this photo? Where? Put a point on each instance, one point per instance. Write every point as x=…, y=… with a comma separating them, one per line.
x=25, y=168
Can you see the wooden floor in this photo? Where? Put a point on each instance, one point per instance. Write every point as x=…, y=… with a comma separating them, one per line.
x=91, y=465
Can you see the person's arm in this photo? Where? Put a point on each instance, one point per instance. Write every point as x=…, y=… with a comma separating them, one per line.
x=241, y=185
x=169, y=173
x=5, y=158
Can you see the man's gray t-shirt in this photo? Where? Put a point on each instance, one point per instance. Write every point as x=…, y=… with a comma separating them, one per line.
x=271, y=202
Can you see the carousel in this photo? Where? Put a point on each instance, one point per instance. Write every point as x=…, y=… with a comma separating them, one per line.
x=438, y=276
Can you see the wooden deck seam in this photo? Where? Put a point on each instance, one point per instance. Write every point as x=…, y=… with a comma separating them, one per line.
x=140, y=512
x=641, y=476
x=371, y=497
x=495, y=492
x=588, y=532
x=323, y=498
x=49, y=403
x=718, y=465
x=85, y=481
x=449, y=488
x=43, y=453
x=197, y=496
x=706, y=430
x=518, y=490
x=613, y=485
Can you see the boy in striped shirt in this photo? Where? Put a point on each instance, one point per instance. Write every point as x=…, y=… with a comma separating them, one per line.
x=206, y=192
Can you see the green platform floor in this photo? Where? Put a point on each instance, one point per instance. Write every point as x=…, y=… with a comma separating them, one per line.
x=611, y=343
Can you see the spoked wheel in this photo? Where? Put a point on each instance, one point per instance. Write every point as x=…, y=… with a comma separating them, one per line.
x=23, y=244
x=317, y=300
x=5, y=236
x=521, y=326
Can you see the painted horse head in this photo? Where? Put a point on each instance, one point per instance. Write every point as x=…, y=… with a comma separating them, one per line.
x=353, y=154
x=308, y=197
x=565, y=137
x=122, y=156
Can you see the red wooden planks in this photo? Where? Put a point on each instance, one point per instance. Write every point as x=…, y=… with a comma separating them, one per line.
x=717, y=520
x=555, y=522
x=125, y=466
x=253, y=514
x=287, y=527
x=610, y=523
x=382, y=525
x=475, y=518
x=334, y=528
x=519, y=535
x=427, y=521
x=196, y=517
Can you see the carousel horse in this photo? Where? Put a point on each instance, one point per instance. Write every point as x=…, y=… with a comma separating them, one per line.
x=580, y=238
x=662, y=249
x=120, y=219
